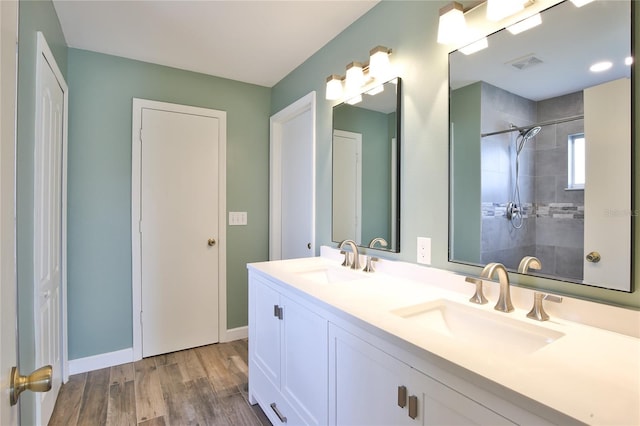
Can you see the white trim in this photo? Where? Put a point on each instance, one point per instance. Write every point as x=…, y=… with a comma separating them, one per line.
x=235, y=334
x=357, y=138
x=304, y=104
x=136, y=157
x=96, y=362
x=44, y=53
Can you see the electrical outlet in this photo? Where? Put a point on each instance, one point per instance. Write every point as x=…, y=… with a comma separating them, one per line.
x=424, y=250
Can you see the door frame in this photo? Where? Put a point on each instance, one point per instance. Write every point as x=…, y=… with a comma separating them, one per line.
x=8, y=280
x=302, y=105
x=136, y=187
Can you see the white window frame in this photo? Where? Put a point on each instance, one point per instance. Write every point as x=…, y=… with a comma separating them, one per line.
x=571, y=156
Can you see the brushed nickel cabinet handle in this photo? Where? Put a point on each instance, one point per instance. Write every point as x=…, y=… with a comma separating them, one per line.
x=402, y=396
x=413, y=406
x=282, y=418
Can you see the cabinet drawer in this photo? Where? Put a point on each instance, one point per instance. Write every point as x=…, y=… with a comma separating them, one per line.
x=266, y=394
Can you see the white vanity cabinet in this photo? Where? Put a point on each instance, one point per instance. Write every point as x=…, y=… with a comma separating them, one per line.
x=369, y=387
x=287, y=356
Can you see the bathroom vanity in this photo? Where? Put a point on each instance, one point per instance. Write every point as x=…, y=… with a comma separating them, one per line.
x=333, y=346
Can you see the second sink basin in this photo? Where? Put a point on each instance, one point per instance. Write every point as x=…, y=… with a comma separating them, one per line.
x=327, y=275
x=478, y=328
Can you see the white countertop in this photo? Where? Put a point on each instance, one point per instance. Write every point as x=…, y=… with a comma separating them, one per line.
x=590, y=374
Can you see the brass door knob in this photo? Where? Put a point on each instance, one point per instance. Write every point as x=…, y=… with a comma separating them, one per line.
x=38, y=381
x=593, y=257
x=211, y=242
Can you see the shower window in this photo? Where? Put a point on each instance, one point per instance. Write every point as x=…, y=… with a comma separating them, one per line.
x=576, y=161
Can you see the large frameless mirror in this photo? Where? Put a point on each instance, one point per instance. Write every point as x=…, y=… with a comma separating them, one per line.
x=366, y=168
x=540, y=147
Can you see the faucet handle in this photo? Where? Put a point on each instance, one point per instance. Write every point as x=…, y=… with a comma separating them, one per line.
x=369, y=266
x=478, y=296
x=347, y=258
x=537, y=311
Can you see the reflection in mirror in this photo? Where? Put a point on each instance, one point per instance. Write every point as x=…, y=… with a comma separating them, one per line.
x=540, y=147
x=366, y=167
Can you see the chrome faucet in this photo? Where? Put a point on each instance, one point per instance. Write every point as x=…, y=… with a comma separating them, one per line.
x=529, y=262
x=371, y=259
x=504, y=301
x=355, y=264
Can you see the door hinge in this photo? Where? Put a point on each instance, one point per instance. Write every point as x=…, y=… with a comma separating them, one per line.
x=140, y=226
x=140, y=317
x=140, y=135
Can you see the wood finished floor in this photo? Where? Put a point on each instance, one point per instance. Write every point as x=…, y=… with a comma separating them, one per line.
x=200, y=386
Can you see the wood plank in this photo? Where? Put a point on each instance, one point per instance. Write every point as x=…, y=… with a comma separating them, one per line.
x=157, y=421
x=67, y=405
x=93, y=409
x=238, y=411
x=121, y=374
x=122, y=404
x=149, y=398
x=180, y=410
x=214, y=362
x=208, y=407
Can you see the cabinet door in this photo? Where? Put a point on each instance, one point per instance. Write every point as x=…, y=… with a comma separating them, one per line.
x=445, y=406
x=265, y=336
x=364, y=384
x=304, y=361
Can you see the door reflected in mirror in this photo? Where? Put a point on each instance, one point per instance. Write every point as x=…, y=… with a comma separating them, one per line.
x=366, y=166
x=540, y=147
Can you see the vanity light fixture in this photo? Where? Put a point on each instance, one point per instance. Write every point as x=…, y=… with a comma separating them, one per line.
x=379, y=66
x=360, y=77
x=451, y=24
x=355, y=75
x=497, y=10
x=474, y=47
x=525, y=24
x=376, y=90
x=334, y=87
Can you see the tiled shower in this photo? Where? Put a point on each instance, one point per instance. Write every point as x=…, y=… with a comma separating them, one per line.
x=553, y=225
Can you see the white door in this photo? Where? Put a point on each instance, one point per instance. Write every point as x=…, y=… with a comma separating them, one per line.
x=8, y=24
x=607, y=194
x=179, y=227
x=48, y=232
x=347, y=186
x=292, y=196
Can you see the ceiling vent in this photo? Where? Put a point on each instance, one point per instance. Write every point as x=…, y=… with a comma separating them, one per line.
x=525, y=62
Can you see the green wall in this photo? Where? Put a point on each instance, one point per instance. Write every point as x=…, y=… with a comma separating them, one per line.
x=33, y=16
x=410, y=29
x=101, y=89
x=465, y=148
x=376, y=167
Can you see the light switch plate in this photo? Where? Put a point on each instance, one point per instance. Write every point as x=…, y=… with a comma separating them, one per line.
x=424, y=250
x=237, y=218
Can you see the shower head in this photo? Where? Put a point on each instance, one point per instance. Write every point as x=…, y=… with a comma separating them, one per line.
x=531, y=132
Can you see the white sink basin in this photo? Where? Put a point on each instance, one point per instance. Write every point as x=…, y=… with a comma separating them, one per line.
x=494, y=331
x=327, y=274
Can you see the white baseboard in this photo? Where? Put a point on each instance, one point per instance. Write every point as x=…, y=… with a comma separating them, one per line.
x=97, y=362
x=235, y=334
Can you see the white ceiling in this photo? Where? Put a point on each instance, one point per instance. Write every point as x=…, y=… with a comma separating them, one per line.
x=257, y=42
